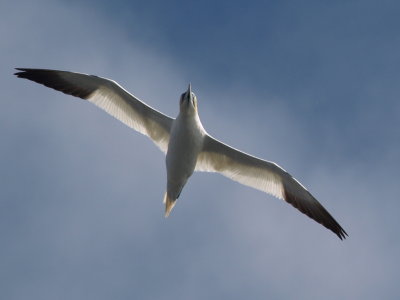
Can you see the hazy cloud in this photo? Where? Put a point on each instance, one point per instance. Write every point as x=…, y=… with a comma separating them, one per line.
x=81, y=195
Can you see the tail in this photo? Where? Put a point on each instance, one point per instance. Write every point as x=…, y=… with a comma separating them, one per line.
x=169, y=204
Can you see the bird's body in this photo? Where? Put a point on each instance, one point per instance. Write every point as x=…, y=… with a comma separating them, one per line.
x=187, y=145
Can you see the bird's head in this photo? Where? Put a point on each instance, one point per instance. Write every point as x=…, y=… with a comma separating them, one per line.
x=188, y=102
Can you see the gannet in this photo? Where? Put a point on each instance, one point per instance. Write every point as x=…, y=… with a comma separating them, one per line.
x=187, y=145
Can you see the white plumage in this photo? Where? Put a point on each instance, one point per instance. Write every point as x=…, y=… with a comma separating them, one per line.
x=187, y=145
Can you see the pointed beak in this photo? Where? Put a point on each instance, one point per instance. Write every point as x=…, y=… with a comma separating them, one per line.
x=189, y=91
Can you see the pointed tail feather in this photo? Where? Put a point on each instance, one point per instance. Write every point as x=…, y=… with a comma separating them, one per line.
x=169, y=204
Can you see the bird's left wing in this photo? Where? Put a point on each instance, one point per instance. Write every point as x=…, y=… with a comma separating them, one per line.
x=109, y=96
x=264, y=176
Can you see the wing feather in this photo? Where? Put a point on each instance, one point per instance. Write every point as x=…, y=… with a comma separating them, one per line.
x=109, y=96
x=264, y=176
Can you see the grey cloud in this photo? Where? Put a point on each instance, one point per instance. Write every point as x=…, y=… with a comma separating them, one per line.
x=81, y=213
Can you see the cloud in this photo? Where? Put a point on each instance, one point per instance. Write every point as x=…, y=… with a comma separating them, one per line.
x=81, y=213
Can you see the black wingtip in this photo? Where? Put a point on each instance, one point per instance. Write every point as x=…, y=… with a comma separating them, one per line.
x=339, y=231
x=22, y=70
x=342, y=234
x=318, y=214
x=59, y=80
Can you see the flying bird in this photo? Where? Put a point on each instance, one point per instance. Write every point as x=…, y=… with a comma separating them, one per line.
x=187, y=145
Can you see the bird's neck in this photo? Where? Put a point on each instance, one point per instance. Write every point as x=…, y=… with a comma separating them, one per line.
x=190, y=120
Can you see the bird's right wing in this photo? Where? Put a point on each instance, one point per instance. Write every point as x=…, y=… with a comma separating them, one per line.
x=109, y=96
x=264, y=176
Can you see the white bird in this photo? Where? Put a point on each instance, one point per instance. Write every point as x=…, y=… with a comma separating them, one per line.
x=187, y=145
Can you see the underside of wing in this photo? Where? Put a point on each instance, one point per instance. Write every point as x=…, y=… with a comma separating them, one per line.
x=110, y=97
x=264, y=176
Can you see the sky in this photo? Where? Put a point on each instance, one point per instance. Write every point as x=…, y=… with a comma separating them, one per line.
x=310, y=85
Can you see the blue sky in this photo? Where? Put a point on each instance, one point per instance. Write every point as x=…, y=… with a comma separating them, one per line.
x=312, y=86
